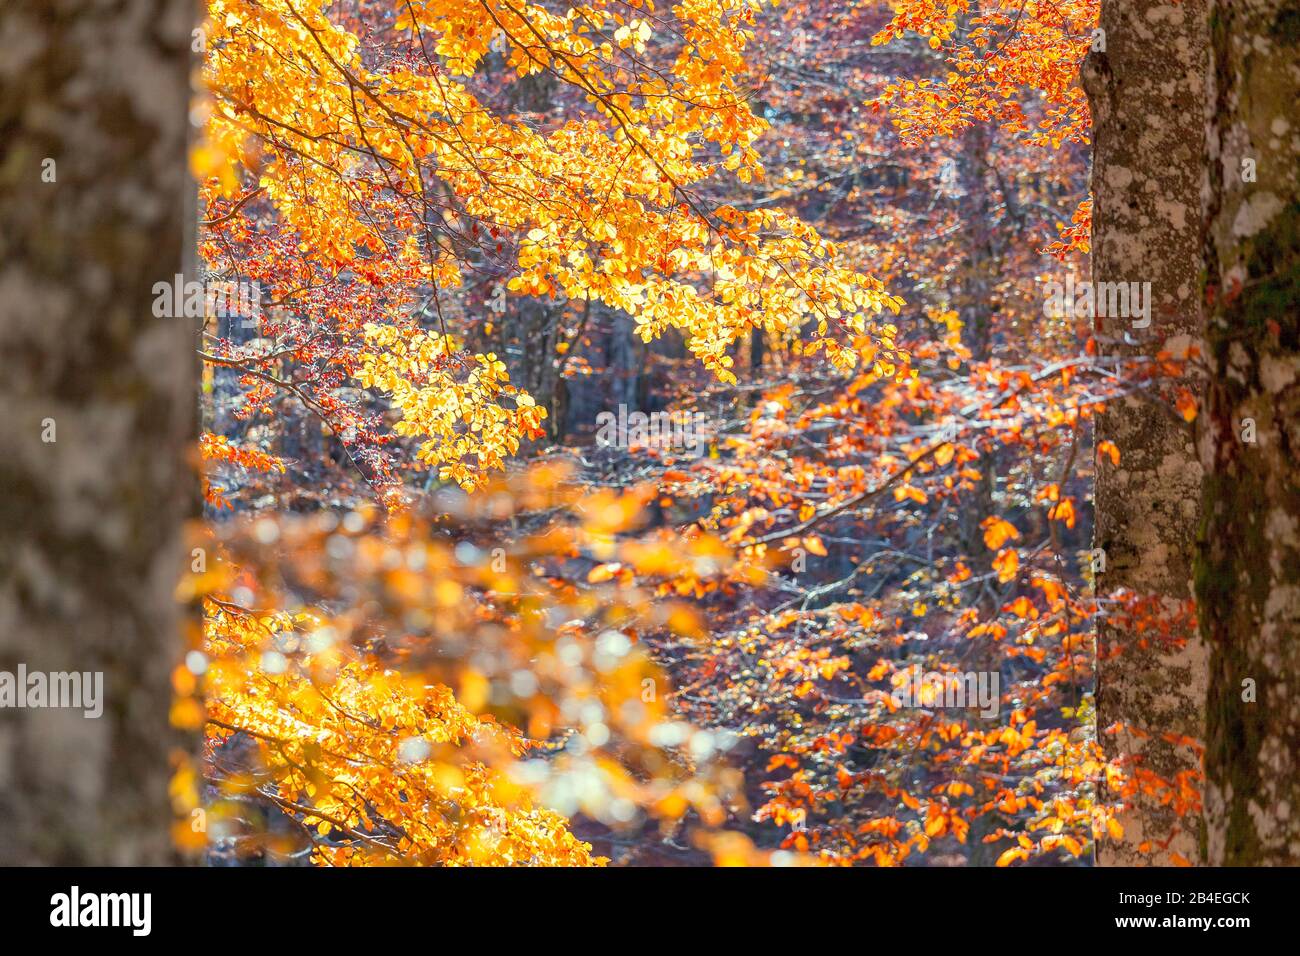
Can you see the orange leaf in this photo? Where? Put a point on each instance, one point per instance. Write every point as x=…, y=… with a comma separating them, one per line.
x=1007, y=563
x=603, y=572
x=1063, y=511
x=997, y=532
x=908, y=491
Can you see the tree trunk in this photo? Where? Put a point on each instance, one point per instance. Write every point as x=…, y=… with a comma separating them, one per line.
x=980, y=274
x=99, y=416
x=1146, y=90
x=1248, y=578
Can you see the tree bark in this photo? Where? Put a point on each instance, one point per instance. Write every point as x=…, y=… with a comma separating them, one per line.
x=1248, y=575
x=1146, y=90
x=980, y=274
x=99, y=401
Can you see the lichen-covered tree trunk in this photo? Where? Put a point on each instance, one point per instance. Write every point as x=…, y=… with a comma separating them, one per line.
x=1248, y=579
x=98, y=399
x=1146, y=89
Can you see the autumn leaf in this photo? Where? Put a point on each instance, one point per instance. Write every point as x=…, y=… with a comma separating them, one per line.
x=1012, y=855
x=1063, y=511
x=1007, y=563
x=997, y=532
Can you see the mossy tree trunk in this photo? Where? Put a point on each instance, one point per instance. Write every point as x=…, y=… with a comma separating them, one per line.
x=1248, y=581
x=99, y=417
x=1145, y=83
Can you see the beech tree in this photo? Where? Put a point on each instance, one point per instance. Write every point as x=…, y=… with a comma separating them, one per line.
x=1248, y=576
x=835, y=595
x=882, y=504
x=1144, y=81
x=99, y=421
